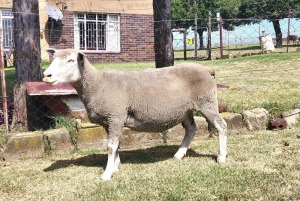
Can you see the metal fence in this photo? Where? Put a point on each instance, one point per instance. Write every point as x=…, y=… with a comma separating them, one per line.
x=243, y=40
x=44, y=109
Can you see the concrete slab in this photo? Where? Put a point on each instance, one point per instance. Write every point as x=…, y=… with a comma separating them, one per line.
x=24, y=145
x=131, y=139
x=91, y=136
x=58, y=141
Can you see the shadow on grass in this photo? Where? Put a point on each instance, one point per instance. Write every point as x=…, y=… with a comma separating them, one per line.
x=149, y=155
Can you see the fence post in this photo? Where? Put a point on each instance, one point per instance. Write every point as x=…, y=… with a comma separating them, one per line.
x=3, y=84
x=184, y=44
x=195, y=37
x=209, y=37
x=219, y=18
x=288, y=34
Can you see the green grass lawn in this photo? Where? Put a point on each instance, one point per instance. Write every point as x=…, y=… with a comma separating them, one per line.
x=264, y=165
x=9, y=79
x=232, y=50
x=270, y=81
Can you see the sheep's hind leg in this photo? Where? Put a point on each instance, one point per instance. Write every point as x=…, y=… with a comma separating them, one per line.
x=113, y=162
x=190, y=128
x=117, y=162
x=219, y=123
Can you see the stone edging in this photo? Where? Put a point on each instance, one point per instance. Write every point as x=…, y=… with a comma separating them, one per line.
x=90, y=136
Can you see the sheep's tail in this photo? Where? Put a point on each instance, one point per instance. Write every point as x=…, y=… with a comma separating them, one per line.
x=212, y=72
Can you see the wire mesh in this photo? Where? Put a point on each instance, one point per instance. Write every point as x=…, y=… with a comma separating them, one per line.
x=131, y=39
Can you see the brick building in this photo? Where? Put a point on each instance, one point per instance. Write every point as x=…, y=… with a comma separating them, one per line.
x=105, y=30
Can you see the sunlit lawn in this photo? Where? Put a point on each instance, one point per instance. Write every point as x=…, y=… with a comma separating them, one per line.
x=263, y=165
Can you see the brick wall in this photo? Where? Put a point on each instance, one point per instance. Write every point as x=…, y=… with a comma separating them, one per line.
x=62, y=36
x=137, y=39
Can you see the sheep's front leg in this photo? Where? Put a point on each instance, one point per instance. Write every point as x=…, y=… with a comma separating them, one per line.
x=113, y=162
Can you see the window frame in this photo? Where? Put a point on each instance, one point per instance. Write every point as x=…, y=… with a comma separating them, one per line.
x=6, y=14
x=110, y=19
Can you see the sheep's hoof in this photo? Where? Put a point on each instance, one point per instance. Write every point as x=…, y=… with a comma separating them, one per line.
x=221, y=159
x=105, y=177
x=179, y=155
x=176, y=156
x=116, y=166
x=116, y=169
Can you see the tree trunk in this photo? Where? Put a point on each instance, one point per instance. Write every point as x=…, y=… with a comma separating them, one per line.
x=200, y=32
x=163, y=40
x=278, y=33
x=27, y=56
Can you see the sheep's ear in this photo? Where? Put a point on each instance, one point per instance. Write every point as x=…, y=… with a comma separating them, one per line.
x=80, y=58
x=51, y=51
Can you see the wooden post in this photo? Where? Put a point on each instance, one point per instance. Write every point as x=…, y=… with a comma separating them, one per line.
x=196, y=38
x=209, y=37
x=4, y=95
x=184, y=44
x=221, y=36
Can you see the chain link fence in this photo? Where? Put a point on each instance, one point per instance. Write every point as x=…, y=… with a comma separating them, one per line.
x=47, y=109
x=244, y=40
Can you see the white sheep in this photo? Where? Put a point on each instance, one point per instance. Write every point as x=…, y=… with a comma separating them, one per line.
x=151, y=101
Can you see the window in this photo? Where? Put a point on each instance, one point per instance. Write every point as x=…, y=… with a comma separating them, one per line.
x=6, y=27
x=97, y=32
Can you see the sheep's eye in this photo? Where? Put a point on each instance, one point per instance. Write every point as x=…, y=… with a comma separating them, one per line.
x=70, y=61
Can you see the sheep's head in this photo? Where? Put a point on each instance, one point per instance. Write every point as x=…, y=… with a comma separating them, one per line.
x=64, y=67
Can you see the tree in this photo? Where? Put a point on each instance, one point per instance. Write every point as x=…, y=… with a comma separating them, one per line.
x=273, y=10
x=163, y=42
x=183, y=13
x=27, y=57
x=229, y=9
